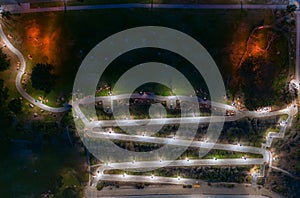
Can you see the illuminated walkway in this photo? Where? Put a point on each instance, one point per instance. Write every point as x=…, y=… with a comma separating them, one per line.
x=291, y=110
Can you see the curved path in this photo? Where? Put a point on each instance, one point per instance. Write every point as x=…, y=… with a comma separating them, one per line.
x=20, y=74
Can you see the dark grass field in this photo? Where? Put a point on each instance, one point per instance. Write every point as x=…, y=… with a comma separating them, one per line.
x=63, y=39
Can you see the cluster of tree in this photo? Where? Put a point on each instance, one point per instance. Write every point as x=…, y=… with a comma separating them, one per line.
x=3, y=93
x=70, y=192
x=102, y=184
x=4, y=61
x=291, y=8
x=48, y=129
x=42, y=77
x=212, y=173
x=249, y=131
x=137, y=146
x=5, y=117
x=15, y=105
x=257, y=80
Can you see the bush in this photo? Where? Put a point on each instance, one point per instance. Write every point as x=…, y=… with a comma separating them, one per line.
x=42, y=78
x=100, y=185
x=4, y=61
x=15, y=105
x=69, y=193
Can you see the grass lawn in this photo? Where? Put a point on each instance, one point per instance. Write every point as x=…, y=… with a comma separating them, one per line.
x=63, y=39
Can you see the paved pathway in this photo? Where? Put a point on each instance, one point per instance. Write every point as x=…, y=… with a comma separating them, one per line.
x=291, y=110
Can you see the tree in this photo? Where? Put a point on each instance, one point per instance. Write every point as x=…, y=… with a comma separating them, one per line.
x=257, y=82
x=6, y=14
x=42, y=78
x=15, y=105
x=69, y=193
x=5, y=116
x=100, y=185
x=4, y=61
x=3, y=93
x=291, y=8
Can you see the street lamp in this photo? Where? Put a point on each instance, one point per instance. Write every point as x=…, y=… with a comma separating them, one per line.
x=65, y=5
x=151, y=2
x=241, y=1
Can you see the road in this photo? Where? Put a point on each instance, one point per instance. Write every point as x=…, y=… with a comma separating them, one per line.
x=192, y=196
x=298, y=47
x=17, y=9
x=169, y=191
x=200, y=2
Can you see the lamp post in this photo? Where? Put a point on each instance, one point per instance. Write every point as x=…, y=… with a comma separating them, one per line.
x=151, y=5
x=241, y=1
x=65, y=5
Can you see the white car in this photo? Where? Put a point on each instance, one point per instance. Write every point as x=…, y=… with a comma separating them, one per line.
x=295, y=85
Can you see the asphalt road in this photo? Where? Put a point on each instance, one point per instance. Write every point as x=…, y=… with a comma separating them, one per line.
x=298, y=47
x=18, y=9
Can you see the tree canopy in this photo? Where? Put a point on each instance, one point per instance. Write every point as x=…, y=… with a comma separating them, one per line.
x=42, y=78
x=257, y=84
x=15, y=105
x=3, y=93
x=4, y=61
x=5, y=117
x=291, y=8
